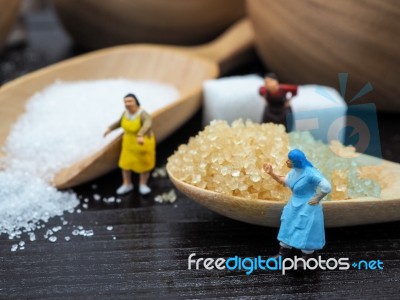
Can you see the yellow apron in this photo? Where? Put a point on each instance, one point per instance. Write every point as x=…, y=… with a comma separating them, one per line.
x=136, y=157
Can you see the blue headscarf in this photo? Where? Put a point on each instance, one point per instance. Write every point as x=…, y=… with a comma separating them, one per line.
x=299, y=159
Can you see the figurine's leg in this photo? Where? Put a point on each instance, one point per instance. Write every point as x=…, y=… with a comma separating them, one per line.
x=305, y=255
x=285, y=251
x=282, y=244
x=127, y=177
x=143, y=187
x=307, y=251
x=127, y=185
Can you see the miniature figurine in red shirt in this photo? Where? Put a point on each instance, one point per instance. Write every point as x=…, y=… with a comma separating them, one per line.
x=278, y=103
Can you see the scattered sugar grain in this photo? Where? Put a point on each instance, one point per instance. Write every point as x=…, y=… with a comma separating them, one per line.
x=78, y=211
x=21, y=243
x=159, y=172
x=53, y=239
x=32, y=236
x=89, y=233
x=85, y=206
x=58, y=228
x=169, y=197
x=109, y=200
x=82, y=232
x=109, y=228
x=14, y=247
x=67, y=238
x=96, y=197
x=48, y=233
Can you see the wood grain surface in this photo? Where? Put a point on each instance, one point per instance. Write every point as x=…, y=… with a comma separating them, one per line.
x=149, y=257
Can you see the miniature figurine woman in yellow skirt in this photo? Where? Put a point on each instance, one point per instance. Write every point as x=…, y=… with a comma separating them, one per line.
x=138, y=145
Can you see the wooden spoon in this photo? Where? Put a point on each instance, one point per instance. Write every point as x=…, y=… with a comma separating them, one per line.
x=337, y=213
x=184, y=68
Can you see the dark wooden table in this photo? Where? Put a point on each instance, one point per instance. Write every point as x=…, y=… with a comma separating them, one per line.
x=145, y=255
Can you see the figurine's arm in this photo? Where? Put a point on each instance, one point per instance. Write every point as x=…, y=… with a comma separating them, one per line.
x=145, y=118
x=113, y=126
x=289, y=88
x=324, y=188
x=262, y=91
x=269, y=170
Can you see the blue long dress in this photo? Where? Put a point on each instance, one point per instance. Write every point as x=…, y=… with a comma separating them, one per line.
x=302, y=224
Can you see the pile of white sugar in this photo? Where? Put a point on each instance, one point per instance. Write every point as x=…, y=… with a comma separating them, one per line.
x=62, y=124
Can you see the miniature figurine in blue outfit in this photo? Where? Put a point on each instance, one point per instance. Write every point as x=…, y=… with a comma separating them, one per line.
x=302, y=220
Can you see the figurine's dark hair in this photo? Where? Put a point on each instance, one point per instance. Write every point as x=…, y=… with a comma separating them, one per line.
x=271, y=75
x=134, y=97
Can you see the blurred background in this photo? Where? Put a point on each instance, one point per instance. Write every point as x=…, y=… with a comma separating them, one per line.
x=308, y=41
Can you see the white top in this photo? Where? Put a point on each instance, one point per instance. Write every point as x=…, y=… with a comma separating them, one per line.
x=130, y=116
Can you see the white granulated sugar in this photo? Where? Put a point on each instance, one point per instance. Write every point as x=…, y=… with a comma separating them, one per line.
x=62, y=124
x=26, y=200
x=66, y=121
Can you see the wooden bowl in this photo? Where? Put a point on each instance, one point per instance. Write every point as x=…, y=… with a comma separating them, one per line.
x=9, y=12
x=311, y=41
x=337, y=213
x=96, y=24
